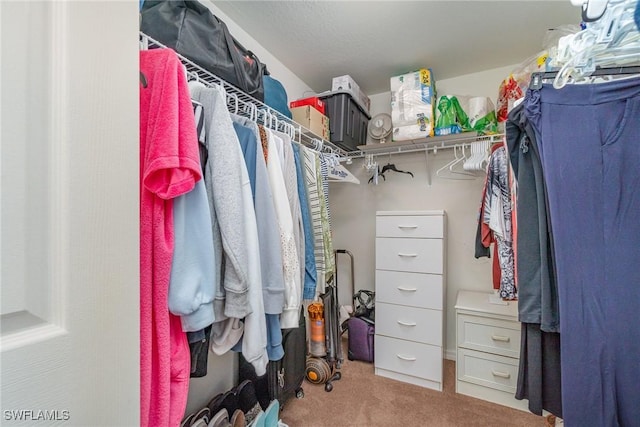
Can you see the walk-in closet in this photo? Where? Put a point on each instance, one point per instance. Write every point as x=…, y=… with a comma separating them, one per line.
x=221, y=213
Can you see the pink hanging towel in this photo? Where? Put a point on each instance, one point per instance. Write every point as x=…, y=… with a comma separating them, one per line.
x=169, y=167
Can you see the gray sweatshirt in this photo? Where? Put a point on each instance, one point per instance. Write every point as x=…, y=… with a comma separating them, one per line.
x=224, y=183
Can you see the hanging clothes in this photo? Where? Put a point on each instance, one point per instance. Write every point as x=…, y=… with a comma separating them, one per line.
x=291, y=267
x=496, y=213
x=191, y=290
x=537, y=288
x=315, y=195
x=310, y=272
x=233, y=218
x=593, y=184
x=291, y=184
x=268, y=228
x=323, y=187
x=268, y=235
x=169, y=167
x=539, y=376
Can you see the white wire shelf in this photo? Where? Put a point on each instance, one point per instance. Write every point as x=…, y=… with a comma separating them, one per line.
x=245, y=105
x=433, y=143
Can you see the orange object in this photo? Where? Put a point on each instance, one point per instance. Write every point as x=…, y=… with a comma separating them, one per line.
x=317, y=340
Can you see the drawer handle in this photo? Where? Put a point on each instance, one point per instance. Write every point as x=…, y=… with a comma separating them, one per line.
x=407, y=255
x=407, y=226
x=407, y=324
x=400, y=288
x=410, y=359
x=500, y=338
x=501, y=374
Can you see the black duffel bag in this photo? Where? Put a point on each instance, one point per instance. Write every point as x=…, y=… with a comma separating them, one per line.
x=193, y=31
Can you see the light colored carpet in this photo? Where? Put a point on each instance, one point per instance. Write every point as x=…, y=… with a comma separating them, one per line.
x=362, y=399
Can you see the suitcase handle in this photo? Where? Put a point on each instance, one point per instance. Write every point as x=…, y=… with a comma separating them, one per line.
x=400, y=288
x=407, y=324
x=407, y=255
x=410, y=359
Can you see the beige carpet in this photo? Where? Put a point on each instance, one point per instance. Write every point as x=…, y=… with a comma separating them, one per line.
x=363, y=399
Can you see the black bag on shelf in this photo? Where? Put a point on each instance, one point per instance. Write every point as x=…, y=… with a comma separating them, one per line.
x=193, y=31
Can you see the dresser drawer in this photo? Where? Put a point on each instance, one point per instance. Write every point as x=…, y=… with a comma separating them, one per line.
x=488, y=370
x=431, y=226
x=409, y=323
x=413, y=255
x=410, y=358
x=490, y=335
x=413, y=289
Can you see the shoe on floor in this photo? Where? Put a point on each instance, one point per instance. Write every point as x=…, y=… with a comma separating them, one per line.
x=238, y=419
x=187, y=420
x=202, y=414
x=220, y=419
x=248, y=401
x=199, y=423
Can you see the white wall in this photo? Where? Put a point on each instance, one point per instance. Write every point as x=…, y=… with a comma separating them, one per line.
x=353, y=207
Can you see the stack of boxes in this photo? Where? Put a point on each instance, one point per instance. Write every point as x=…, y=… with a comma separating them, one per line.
x=412, y=100
x=310, y=113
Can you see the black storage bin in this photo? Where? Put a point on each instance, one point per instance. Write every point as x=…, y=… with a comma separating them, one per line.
x=348, y=122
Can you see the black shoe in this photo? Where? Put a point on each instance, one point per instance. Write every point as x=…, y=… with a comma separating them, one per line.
x=247, y=400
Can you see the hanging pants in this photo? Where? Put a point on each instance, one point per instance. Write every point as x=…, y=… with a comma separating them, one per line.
x=589, y=139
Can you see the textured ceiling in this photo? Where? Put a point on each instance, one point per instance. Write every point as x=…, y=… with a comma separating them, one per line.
x=374, y=40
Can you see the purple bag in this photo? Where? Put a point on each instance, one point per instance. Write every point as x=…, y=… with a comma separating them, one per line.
x=361, y=334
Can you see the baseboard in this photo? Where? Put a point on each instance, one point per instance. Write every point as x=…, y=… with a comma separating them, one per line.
x=450, y=355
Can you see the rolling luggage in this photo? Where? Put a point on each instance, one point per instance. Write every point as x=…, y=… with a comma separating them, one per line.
x=360, y=339
x=360, y=324
x=284, y=377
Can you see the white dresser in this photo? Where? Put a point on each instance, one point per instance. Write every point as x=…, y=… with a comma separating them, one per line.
x=488, y=349
x=410, y=267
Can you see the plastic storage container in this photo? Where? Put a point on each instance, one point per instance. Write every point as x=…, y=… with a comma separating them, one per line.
x=348, y=121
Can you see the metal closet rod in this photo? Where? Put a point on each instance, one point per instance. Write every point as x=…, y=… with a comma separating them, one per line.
x=245, y=105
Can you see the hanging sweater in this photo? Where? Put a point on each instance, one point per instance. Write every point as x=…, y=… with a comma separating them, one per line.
x=169, y=167
x=291, y=267
x=291, y=182
x=268, y=236
x=268, y=228
x=224, y=186
x=239, y=233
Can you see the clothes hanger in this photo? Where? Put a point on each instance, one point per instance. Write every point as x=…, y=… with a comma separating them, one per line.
x=462, y=158
x=376, y=174
x=448, y=167
x=392, y=167
x=609, y=39
x=592, y=10
x=143, y=79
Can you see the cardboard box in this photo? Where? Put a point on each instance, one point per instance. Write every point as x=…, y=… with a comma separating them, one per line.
x=312, y=119
x=412, y=103
x=313, y=101
x=346, y=83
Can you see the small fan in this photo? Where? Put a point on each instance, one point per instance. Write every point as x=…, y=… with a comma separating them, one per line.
x=380, y=127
